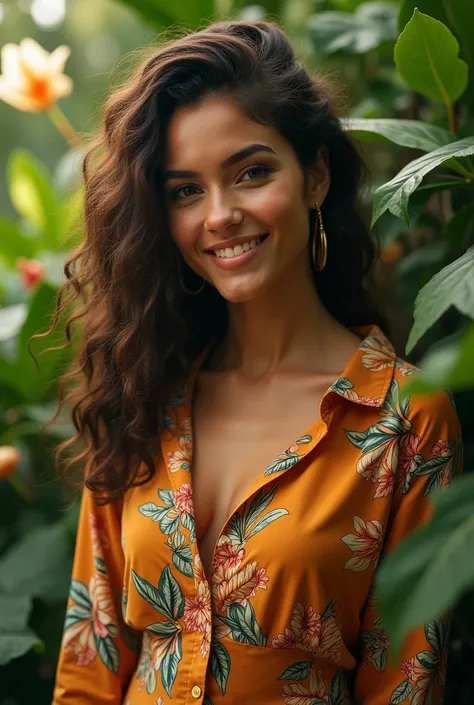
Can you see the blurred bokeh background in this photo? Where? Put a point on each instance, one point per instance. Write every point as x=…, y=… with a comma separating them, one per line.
x=39, y=207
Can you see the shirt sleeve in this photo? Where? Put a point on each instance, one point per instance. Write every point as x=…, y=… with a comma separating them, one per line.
x=98, y=651
x=430, y=456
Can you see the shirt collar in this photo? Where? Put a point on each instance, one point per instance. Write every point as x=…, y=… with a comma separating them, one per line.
x=367, y=377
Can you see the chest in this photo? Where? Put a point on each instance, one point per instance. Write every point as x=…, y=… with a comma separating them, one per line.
x=239, y=430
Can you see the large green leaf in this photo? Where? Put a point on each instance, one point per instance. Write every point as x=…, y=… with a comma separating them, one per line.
x=14, y=244
x=394, y=195
x=15, y=637
x=162, y=13
x=448, y=365
x=452, y=286
x=426, y=56
x=39, y=565
x=33, y=384
x=405, y=133
x=455, y=14
x=370, y=25
x=429, y=570
x=33, y=196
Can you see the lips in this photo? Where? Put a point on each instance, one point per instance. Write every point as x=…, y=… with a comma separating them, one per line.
x=238, y=257
x=234, y=242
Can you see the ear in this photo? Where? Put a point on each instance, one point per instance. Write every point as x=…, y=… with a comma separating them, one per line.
x=319, y=178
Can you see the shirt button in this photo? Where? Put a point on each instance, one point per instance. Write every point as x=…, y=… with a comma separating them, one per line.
x=196, y=692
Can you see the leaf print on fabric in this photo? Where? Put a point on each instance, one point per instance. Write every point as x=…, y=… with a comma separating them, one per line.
x=163, y=649
x=381, y=444
x=318, y=691
x=178, y=511
x=289, y=457
x=309, y=630
x=244, y=626
x=445, y=464
x=91, y=623
x=425, y=671
x=248, y=521
x=366, y=544
x=220, y=664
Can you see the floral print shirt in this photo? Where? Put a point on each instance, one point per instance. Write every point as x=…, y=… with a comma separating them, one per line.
x=288, y=613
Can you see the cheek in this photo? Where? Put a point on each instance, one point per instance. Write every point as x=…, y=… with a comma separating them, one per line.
x=183, y=229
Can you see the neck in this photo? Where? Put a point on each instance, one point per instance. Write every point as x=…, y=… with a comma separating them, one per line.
x=285, y=328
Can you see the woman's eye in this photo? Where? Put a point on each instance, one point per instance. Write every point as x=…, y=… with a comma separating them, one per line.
x=175, y=194
x=262, y=168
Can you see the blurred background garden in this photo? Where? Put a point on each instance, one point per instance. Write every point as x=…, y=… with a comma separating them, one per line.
x=408, y=81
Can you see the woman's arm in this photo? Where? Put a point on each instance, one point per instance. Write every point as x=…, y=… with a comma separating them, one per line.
x=98, y=652
x=434, y=451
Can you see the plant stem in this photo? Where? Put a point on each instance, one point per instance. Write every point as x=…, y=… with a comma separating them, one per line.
x=452, y=118
x=63, y=126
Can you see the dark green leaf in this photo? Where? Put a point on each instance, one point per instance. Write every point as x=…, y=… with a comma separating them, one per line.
x=170, y=663
x=15, y=637
x=394, y=195
x=405, y=133
x=108, y=652
x=452, y=286
x=430, y=569
x=296, y=672
x=220, y=664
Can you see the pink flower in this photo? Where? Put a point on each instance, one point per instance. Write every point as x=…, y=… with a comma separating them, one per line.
x=441, y=448
x=183, y=499
x=287, y=640
x=227, y=554
x=293, y=448
x=197, y=610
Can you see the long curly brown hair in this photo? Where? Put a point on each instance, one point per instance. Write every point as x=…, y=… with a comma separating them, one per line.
x=140, y=332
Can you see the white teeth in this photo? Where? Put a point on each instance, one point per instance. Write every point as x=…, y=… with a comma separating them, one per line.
x=238, y=249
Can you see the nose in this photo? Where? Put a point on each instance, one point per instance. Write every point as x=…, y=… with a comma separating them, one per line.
x=220, y=212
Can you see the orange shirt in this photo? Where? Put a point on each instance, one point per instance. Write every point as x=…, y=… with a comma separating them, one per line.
x=287, y=614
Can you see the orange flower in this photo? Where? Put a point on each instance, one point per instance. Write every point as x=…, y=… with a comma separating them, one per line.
x=32, y=79
x=9, y=460
x=32, y=271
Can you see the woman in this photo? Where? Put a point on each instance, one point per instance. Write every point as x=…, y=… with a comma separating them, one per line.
x=229, y=531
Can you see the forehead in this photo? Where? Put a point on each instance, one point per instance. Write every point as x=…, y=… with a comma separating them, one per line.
x=214, y=128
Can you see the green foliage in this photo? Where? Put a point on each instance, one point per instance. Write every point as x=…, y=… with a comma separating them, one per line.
x=162, y=13
x=394, y=195
x=429, y=559
x=405, y=133
x=421, y=203
x=452, y=286
x=369, y=26
x=15, y=637
x=427, y=57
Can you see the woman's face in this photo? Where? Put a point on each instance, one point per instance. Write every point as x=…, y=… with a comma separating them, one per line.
x=235, y=201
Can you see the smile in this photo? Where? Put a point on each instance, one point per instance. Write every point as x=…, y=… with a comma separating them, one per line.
x=230, y=252
x=239, y=255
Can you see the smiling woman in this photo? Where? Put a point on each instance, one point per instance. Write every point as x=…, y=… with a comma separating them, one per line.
x=250, y=456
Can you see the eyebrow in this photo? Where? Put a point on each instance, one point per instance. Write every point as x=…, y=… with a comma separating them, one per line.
x=229, y=161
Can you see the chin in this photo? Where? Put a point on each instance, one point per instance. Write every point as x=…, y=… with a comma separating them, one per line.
x=241, y=292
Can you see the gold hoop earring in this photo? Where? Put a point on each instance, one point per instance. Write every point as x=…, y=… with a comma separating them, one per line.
x=184, y=287
x=319, y=252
